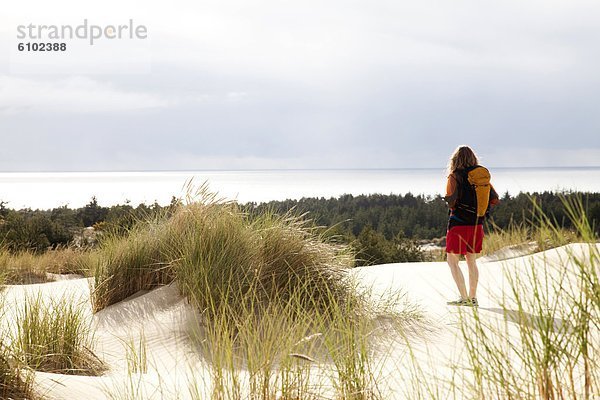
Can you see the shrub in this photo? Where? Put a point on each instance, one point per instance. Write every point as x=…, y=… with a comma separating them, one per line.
x=373, y=248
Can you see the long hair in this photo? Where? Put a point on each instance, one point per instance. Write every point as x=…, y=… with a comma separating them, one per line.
x=463, y=157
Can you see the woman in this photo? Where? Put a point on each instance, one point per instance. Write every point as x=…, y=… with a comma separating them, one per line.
x=469, y=194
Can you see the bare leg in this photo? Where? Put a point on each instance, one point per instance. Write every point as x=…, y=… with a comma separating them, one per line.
x=473, y=274
x=453, y=260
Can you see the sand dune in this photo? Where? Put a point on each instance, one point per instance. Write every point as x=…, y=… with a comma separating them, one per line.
x=161, y=320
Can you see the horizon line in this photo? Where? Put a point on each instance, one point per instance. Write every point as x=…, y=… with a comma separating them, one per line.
x=279, y=169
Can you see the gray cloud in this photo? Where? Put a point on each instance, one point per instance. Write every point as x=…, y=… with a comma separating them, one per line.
x=315, y=85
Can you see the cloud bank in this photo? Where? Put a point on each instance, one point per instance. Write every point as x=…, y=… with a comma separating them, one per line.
x=267, y=84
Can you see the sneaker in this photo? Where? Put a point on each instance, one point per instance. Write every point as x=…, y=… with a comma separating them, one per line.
x=464, y=302
x=459, y=302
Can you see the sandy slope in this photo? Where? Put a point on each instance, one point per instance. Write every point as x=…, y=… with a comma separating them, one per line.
x=162, y=317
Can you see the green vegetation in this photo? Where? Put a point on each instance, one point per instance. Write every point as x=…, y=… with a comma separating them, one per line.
x=380, y=228
x=55, y=337
x=374, y=248
x=230, y=260
x=419, y=217
x=39, y=230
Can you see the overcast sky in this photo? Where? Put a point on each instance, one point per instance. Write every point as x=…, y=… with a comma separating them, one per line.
x=310, y=84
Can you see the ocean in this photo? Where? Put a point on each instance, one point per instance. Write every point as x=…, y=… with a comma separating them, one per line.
x=44, y=190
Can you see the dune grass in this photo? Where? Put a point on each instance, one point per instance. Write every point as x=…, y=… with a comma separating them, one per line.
x=29, y=267
x=14, y=382
x=124, y=266
x=554, y=309
x=136, y=354
x=539, y=231
x=55, y=337
x=217, y=255
x=229, y=260
x=531, y=235
x=276, y=351
x=274, y=298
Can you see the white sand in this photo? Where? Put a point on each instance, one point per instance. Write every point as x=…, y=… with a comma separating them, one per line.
x=163, y=318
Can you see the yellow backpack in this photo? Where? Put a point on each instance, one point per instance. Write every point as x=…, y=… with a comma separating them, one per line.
x=479, y=178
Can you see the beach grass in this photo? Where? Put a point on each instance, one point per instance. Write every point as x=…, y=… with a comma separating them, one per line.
x=547, y=343
x=28, y=267
x=530, y=237
x=218, y=254
x=538, y=231
x=123, y=266
x=273, y=296
x=230, y=260
x=136, y=354
x=15, y=382
x=55, y=336
x=278, y=350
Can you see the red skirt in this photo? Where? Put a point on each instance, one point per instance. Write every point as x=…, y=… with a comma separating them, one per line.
x=464, y=239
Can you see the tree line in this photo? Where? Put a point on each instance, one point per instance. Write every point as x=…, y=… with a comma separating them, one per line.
x=383, y=228
x=425, y=217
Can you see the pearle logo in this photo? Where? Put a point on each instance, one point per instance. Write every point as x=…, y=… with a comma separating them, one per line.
x=90, y=32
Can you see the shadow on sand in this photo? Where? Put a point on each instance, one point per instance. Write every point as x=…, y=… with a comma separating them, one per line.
x=538, y=322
